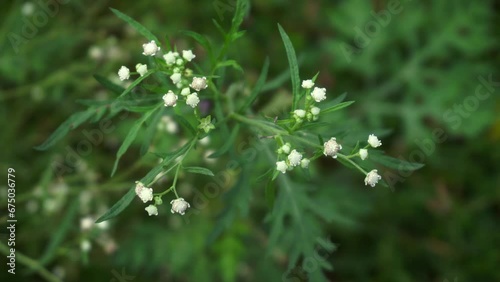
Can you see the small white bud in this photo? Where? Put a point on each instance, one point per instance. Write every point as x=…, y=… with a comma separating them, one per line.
x=185, y=91
x=170, y=99
x=188, y=55
x=179, y=206
x=150, y=48
x=372, y=178
x=152, y=210
x=170, y=57
x=294, y=158
x=142, y=69
x=285, y=148
x=192, y=100
x=318, y=94
x=363, y=154
x=304, y=163
x=374, y=141
x=199, y=83
x=307, y=84
x=331, y=147
x=176, y=78
x=281, y=166
x=315, y=111
x=299, y=113
x=123, y=73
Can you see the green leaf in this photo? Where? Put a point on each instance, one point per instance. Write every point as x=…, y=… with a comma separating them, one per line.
x=242, y=7
x=227, y=145
x=185, y=123
x=119, y=206
x=258, y=86
x=108, y=84
x=151, y=129
x=294, y=67
x=229, y=63
x=199, y=170
x=337, y=107
x=137, y=26
x=71, y=123
x=394, y=163
x=270, y=194
x=135, y=83
x=132, y=134
x=202, y=40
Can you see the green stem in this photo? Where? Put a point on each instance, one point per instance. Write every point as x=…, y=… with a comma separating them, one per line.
x=344, y=157
x=32, y=264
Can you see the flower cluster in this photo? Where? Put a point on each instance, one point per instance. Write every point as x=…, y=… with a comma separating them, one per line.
x=144, y=193
x=316, y=95
x=291, y=159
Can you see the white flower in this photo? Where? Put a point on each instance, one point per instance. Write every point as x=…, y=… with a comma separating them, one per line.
x=86, y=223
x=176, y=78
x=281, y=166
x=192, y=100
x=199, y=83
x=285, y=148
x=123, y=73
x=318, y=94
x=185, y=91
x=188, y=55
x=152, y=210
x=179, y=206
x=150, y=48
x=294, y=158
x=363, y=154
x=372, y=178
x=308, y=84
x=304, y=163
x=315, y=111
x=179, y=62
x=170, y=57
x=142, y=69
x=373, y=141
x=331, y=147
x=85, y=246
x=170, y=99
x=299, y=113
x=144, y=193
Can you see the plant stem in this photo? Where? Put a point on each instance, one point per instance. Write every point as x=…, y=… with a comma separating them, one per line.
x=344, y=157
x=31, y=263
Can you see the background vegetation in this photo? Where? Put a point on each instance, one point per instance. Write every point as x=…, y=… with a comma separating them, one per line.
x=407, y=76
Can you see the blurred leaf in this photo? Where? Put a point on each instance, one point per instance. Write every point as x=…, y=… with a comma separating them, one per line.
x=185, y=123
x=228, y=144
x=336, y=107
x=108, y=84
x=137, y=26
x=256, y=90
x=199, y=170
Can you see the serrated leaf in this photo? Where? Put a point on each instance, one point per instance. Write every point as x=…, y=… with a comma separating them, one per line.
x=258, y=86
x=227, y=145
x=132, y=134
x=199, y=170
x=294, y=67
x=108, y=84
x=71, y=123
x=337, y=107
x=137, y=26
x=185, y=123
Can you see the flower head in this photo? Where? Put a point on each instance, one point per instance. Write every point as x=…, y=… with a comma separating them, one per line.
x=285, y=149
x=146, y=194
x=142, y=69
x=179, y=206
x=188, y=55
x=307, y=84
x=294, y=158
x=281, y=166
x=185, y=91
x=372, y=178
x=176, y=78
x=304, y=163
x=170, y=99
x=331, y=147
x=363, y=154
x=299, y=113
x=152, y=210
x=318, y=94
x=86, y=223
x=199, y=83
x=123, y=73
x=170, y=57
x=374, y=141
x=315, y=111
x=150, y=48
x=192, y=100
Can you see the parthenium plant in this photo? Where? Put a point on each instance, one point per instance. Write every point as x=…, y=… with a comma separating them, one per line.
x=176, y=83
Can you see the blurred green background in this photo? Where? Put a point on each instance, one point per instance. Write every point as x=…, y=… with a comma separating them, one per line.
x=414, y=68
